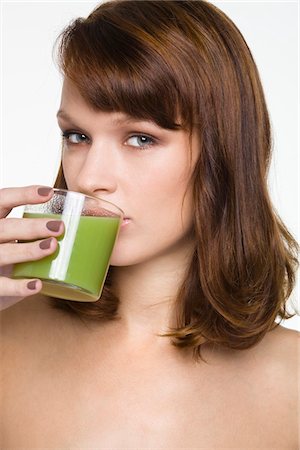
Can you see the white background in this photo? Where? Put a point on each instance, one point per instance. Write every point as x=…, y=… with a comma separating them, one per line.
x=30, y=88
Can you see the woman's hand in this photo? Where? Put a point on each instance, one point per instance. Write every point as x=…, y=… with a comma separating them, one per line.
x=43, y=231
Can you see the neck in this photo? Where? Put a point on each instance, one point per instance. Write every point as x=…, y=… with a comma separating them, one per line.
x=147, y=293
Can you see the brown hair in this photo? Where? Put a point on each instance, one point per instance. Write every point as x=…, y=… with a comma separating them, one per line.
x=155, y=60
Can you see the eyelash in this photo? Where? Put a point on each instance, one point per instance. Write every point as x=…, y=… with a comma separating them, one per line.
x=66, y=135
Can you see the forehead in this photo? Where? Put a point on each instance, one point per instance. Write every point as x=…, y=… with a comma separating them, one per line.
x=73, y=106
x=72, y=102
x=70, y=95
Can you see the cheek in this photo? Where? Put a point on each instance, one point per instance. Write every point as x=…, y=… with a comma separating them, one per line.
x=163, y=187
x=71, y=167
x=66, y=168
x=161, y=226
x=163, y=203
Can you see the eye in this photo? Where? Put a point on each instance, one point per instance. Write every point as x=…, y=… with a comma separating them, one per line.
x=141, y=141
x=72, y=137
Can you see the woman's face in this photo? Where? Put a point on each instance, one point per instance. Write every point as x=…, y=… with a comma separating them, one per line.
x=138, y=166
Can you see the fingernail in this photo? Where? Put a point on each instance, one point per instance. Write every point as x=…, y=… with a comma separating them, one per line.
x=53, y=225
x=44, y=245
x=32, y=285
x=44, y=191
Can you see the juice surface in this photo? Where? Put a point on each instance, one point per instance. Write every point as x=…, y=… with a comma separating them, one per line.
x=81, y=259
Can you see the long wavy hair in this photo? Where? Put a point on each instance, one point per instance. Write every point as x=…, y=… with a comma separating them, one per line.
x=157, y=59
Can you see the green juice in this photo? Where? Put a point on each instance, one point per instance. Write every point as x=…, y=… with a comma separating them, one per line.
x=77, y=269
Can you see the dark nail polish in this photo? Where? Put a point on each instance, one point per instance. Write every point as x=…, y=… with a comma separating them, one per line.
x=53, y=225
x=44, y=245
x=44, y=191
x=32, y=285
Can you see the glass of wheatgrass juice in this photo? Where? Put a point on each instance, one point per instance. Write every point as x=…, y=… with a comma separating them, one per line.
x=78, y=268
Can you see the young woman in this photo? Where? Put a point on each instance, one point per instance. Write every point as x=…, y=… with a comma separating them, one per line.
x=162, y=113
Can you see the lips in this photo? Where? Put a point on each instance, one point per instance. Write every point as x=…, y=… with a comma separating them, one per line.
x=125, y=221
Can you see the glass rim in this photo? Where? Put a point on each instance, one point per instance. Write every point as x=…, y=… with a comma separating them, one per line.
x=65, y=191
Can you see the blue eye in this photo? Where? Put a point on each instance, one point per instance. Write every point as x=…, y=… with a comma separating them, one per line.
x=141, y=141
x=72, y=137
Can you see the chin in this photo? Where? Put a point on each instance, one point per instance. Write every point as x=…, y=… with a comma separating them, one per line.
x=119, y=259
x=129, y=252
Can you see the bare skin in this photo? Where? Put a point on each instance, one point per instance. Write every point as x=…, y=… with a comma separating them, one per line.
x=66, y=384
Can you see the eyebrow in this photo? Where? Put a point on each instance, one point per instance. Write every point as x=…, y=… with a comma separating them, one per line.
x=123, y=120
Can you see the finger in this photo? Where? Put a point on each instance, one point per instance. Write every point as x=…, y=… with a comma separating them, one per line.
x=17, y=196
x=6, y=270
x=12, y=291
x=29, y=229
x=15, y=253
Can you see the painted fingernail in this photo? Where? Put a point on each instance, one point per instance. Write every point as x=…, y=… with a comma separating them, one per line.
x=32, y=285
x=53, y=225
x=44, y=245
x=44, y=191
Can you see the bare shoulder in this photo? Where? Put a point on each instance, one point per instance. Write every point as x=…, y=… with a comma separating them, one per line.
x=282, y=344
x=285, y=334
x=278, y=375
x=276, y=357
x=269, y=377
x=282, y=350
x=21, y=314
x=32, y=320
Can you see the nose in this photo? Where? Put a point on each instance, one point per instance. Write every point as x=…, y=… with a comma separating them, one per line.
x=98, y=174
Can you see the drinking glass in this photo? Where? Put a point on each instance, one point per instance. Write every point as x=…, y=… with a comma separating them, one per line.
x=78, y=268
